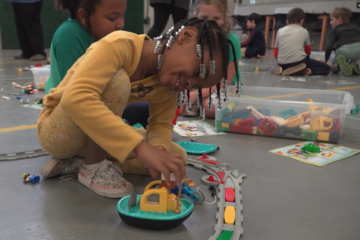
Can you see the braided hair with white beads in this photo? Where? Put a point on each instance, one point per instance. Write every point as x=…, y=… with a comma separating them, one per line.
x=214, y=38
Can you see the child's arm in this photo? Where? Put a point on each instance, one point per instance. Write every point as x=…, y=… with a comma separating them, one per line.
x=81, y=99
x=330, y=42
x=307, y=43
x=162, y=111
x=251, y=39
x=276, y=46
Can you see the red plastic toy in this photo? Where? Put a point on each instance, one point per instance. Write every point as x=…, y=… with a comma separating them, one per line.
x=229, y=194
x=177, y=113
x=267, y=126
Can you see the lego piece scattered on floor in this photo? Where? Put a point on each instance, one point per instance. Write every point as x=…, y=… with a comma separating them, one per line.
x=328, y=153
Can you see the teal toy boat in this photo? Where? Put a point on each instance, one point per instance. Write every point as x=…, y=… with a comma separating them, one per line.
x=155, y=209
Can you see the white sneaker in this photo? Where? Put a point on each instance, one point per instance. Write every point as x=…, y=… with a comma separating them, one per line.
x=105, y=179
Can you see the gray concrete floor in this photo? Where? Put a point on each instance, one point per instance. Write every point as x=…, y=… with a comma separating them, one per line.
x=283, y=199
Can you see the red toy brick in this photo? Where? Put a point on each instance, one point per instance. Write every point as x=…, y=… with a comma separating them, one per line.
x=242, y=129
x=267, y=126
x=211, y=179
x=247, y=122
x=229, y=194
x=221, y=176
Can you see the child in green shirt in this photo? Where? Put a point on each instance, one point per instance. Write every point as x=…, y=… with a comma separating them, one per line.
x=75, y=35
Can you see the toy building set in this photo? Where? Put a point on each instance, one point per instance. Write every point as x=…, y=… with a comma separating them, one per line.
x=270, y=116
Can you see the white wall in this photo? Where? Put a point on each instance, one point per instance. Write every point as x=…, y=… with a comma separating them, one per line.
x=316, y=6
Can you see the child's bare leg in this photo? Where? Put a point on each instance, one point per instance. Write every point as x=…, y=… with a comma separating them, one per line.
x=94, y=153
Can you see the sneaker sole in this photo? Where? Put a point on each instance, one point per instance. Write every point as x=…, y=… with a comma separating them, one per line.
x=355, y=69
x=295, y=69
x=49, y=165
x=277, y=70
x=345, y=68
x=105, y=192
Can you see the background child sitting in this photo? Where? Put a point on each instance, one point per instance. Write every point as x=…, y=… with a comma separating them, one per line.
x=293, y=48
x=216, y=10
x=255, y=45
x=346, y=37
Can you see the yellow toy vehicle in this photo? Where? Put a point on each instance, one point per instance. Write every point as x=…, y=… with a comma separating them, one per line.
x=156, y=208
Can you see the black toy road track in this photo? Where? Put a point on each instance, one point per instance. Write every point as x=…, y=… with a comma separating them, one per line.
x=22, y=155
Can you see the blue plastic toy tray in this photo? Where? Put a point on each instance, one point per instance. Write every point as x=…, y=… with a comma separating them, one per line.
x=198, y=148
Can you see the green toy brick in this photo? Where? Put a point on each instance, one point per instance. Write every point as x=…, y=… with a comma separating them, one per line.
x=225, y=235
x=313, y=148
x=219, y=126
x=242, y=115
x=309, y=135
x=138, y=125
x=232, y=105
x=287, y=113
x=225, y=110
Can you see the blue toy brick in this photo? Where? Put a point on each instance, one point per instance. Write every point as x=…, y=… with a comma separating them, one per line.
x=258, y=121
x=34, y=179
x=228, y=119
x=265, y=112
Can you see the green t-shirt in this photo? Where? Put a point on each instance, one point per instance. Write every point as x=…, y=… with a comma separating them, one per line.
x=235, y=41
x=69, y=43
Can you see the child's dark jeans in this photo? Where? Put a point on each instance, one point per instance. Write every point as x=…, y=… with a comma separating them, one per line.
x=317, y=67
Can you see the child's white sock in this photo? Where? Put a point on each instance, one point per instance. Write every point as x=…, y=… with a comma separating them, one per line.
x=95, y=165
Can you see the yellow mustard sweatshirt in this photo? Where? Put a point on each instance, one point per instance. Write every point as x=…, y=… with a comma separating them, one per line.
x=80, y=96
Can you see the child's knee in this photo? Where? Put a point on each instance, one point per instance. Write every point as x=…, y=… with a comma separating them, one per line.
x=176, y=148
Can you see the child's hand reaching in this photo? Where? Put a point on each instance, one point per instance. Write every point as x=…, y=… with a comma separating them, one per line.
x=159, y=161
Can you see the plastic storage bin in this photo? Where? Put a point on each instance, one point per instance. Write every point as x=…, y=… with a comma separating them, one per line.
x=41, y=75
x=306, y=114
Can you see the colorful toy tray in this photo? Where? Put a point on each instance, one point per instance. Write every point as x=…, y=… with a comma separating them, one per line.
x=306, y=114
x=198, y=148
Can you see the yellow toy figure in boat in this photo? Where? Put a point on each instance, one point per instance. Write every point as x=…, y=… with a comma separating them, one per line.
x=156, y=208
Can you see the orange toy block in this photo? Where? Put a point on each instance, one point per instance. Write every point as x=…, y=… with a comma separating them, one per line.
x=237, y=120
x=321, y=123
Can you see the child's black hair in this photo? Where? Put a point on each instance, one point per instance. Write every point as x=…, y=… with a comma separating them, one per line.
x=74, y=5
x=214, y=38
x=254, y=16
x=295, y=15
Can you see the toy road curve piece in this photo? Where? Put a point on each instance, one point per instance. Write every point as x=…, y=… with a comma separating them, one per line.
x=201, y=197
x=198, y=148
x=209, y=180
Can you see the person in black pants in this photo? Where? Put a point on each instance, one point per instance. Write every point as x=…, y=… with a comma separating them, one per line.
x=29, y=29
x=162, y=9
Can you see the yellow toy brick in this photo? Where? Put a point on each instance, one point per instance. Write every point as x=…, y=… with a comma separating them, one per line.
x=294, y=121
x=237, y=120
x=229, y=215
x=225, y=125
x=323, y=136
x=278, y=120
x=321, y=123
